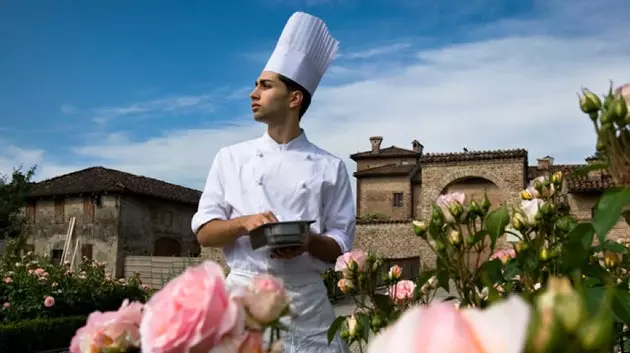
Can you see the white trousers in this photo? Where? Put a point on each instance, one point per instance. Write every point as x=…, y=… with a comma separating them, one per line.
x=308, y=332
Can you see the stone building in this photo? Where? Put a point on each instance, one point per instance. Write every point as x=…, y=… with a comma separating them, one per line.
x=116, y=214
x=397, y=185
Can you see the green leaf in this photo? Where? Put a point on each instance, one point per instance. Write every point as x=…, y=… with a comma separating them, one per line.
x=336, y=325
x=495, y=223
x=364, y=319
x=491, y=271
x=621, y=306
x=479, y=236
x=381, y=301
x=626, y=215
x=608, y=211
x=613, y=246
x=443, y=275
x=578, y=245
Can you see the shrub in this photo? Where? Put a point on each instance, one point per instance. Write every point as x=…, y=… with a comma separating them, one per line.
x=39, y=334
x=35, y=288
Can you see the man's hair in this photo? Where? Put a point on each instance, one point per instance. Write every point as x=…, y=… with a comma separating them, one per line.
x=293, y=86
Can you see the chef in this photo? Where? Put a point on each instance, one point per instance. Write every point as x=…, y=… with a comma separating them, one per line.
x=282, y=176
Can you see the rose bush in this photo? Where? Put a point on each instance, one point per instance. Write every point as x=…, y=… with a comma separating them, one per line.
x=35, y=288
x=194, y=312
x=563, y=285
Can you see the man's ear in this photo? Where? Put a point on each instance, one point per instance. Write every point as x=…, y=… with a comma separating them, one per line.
x=295, y=98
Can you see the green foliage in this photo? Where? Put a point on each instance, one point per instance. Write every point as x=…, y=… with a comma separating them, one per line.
x=39, y=334
x=13, y=194
x=25, y=285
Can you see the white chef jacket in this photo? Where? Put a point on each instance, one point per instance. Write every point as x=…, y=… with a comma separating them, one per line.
x=295, y=181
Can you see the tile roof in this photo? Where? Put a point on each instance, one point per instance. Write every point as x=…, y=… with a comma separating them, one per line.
x=534, y=172
x=391, y=151
x=387, y=170
x=586, y=184
x=473, y=156
x=100, y=179
x=576, y=183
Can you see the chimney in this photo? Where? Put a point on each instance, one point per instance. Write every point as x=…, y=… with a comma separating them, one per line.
x=376, y=143
x=417, y=146
x=545, y=163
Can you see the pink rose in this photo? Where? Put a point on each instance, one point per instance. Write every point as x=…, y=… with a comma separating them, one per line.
x=345, y=285
x=266, y=299
x=624, y=92
x=402, y=291
x=395, y=272
x=504, y=255
x=193, y=312
x=109, y=329
x=530, y=209
x=353, y=260
x=451, y=205
x=248, y=342
x=439, y=328
x=49, y=301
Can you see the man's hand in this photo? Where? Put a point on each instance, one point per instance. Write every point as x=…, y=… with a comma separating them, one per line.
x=252, y=222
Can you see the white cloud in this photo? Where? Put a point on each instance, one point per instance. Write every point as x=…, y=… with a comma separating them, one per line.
x=371, y=52
x=168, y=105
x=12, y=157
x=512, y=91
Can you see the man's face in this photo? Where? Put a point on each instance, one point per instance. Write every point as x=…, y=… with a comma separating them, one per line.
x=270, y=98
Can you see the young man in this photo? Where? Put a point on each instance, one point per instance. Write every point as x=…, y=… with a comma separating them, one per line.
x=281, y=176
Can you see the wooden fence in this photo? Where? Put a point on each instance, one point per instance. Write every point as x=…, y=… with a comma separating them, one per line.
x=155, y=271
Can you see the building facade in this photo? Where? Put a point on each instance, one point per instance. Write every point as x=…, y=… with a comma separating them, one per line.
x=397, y=185
x=117, y=214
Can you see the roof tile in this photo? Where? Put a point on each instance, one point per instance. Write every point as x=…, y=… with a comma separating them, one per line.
x=100, y=179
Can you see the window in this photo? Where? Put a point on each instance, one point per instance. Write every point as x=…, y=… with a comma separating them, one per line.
x=31, y=211
x=55, y=256
x=397, y=199
x=59, y=211
x=86, y=251
x=88, y=209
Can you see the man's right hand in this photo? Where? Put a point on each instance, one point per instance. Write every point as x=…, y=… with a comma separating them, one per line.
x=254, y=221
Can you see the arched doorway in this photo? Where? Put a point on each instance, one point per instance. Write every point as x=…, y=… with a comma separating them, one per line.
x=474, y=188
x=167, y=247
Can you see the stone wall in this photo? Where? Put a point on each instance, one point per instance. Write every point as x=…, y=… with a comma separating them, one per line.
x=145, y=225
x=396, y=240
x=508, y=175
x=155, y=227
x=375, y=197
x=379, y=161
x=96, y=226
x=582, y=205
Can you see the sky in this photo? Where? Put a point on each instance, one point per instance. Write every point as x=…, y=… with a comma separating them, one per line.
x=156, y=88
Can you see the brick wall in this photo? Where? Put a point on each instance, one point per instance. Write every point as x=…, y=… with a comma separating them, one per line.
x=96, y=227
x=376, y=194
x=397, y=240
x=507, y=175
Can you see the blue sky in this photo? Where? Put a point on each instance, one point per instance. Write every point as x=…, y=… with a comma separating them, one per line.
x=155, y=88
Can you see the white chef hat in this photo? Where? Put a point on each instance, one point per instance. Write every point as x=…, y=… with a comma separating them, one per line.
x=304, y=51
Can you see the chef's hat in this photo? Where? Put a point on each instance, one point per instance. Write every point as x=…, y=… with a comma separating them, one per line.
x=304, y=51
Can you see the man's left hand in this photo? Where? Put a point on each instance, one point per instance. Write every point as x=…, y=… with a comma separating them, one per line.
x=291, y=251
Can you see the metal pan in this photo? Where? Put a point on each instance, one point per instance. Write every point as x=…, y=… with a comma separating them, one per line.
x=281, y=234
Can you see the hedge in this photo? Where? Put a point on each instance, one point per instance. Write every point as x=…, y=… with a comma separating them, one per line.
x=31, y=336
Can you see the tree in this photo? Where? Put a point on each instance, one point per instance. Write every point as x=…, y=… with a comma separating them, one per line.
x=13, y=194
